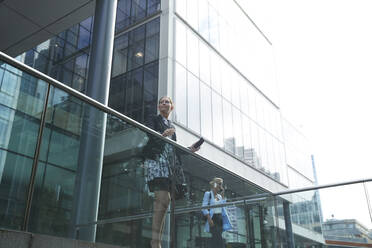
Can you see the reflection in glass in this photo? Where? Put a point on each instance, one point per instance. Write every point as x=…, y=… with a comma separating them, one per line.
x=122, y=15
x=135, y=71
x=153, y=6
x=116, y=99
x=22, y=100
x=133, y=95
x=136, y=48
x=119, y=65
x=150, y=88
x=152, y=41
x=84, y=37
x=138, y=10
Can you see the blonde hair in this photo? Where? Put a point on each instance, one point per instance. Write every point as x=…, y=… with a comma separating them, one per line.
x=215, y=180
x=170, y=99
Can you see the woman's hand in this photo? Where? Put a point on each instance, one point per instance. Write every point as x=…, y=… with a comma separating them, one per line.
x=193, y=149
x=222, y=193
x=169, y=132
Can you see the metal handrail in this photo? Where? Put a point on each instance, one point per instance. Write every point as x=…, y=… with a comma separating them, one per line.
x=180, y=210
x=247, y=200
x=299, y=190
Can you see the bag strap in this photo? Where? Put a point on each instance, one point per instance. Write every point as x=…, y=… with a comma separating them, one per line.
x=209, y=200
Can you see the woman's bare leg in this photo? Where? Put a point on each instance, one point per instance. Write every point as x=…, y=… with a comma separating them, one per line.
x=161, y=202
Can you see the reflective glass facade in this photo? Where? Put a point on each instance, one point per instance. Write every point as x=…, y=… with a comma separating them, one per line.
x=222, y=79
x=135, y=57
x=259, y=219
x=297, y=154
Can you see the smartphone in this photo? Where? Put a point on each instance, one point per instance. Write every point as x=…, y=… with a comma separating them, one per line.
x=199, y=143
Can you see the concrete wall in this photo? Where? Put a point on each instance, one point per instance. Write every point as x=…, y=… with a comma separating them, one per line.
x=17, y=239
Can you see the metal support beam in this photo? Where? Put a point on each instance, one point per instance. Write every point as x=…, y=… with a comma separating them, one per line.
x=288, y=225
x=92, y=139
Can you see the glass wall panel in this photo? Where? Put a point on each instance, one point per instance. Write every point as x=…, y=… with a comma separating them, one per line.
x=181, y=8
x=255, y=152
x=244, y=97
x=226, y=77
x=217, y=119
x=206, y=111
x=205, y=71
x=193, y=53
x=189, y=229
x=134, y=84
x=59, y=182
x=227, y=51
x=138, y=10
x=228, y=139
x=153, y=6
x=150, y=88
x=263, y=150
x=135, y=232
x=21, y=105
x=192, y=13
x=181, y=43
x=51, y=211
x=152, y=40
x=134, y=95
x=181, y=96
x=117, y=93
x=216, y=73
x=123, y=15
x=203, y=19
x=235, y=89
x=247, y=142
x=238, y=134
x=252, y=95
x=136, y=48
x=214, y=29
x=193, y=103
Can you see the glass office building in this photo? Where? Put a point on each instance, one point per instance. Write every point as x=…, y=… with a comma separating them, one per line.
x=217, y=65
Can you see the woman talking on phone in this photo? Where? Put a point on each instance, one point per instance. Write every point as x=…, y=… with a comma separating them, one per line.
x=217, y=218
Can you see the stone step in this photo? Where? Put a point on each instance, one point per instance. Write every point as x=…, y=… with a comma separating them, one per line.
x=19, y=239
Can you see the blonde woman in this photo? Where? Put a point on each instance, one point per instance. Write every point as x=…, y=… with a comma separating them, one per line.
x=217, y=218
x=158, y=160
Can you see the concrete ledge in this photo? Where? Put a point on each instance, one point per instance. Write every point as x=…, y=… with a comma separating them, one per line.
x=18, y=239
